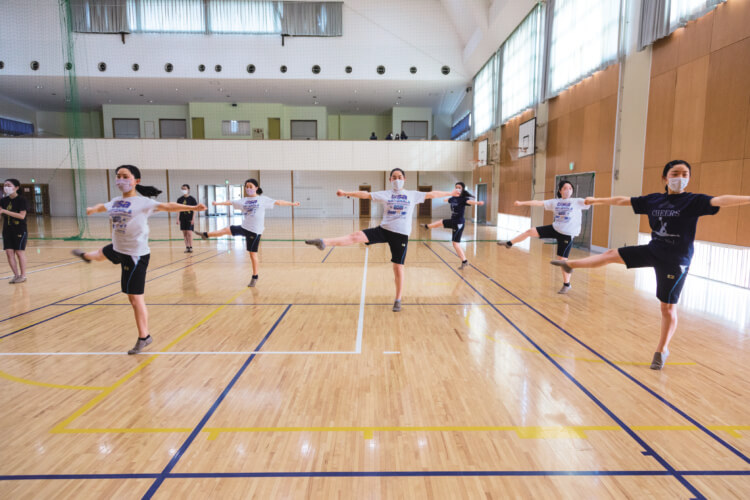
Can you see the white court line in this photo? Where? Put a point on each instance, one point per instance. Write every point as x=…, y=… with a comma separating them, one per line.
x=46, y=268
x=361, y=320
x=171, y=353
x=391, y=352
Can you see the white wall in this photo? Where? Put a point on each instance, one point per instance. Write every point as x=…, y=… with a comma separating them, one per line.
x=441, y=126
x=145, y=113
x=401, y=113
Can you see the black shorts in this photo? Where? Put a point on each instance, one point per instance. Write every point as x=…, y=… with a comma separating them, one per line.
x=252, y=239
x=564, y=241
x=186, y=225
x=133, y=279
x=458, y=228
x=398, y=242
x=670, y=277
x=14, y=239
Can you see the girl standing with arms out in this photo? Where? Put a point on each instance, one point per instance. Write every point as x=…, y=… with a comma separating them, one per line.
x=129, y=214
x=673, y=217
x=253, y=208
x=457, y=220
x=187, y=218
x=13, y=209
x=565, y=227
x=394, y=228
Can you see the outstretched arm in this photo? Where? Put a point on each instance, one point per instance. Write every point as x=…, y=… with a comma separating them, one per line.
x=283, y=203
x=439, y=194
x=222, y=203
x=729, y=200
x=177, y=207
x=619, y=201
x=472, y=202
x=362, y=195
x=96, y=209
x=530, y=203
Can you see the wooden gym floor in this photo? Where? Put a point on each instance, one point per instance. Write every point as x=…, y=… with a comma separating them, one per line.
x=487, y=384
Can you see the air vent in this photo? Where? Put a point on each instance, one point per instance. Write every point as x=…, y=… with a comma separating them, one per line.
x=201, y=68
x=251, y=68
x=283, y=69
x=34, y=65
x=445, y=70
x=168, y=67
x=381, y=70
x=348, y=69
x=316, y=70
x=102, y=66
x=68, y=66
x=136, y=67
x=217, y=68
x=413, y=70
x=2, y=64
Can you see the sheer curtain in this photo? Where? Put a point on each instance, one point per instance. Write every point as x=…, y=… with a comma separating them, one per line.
x=243, y=16
x=99, y=16
x=167, y=16
x=659, y=18
x=584, y=39
x=521, y=54
x=312, y=18
x=485, y=95
x=682, y=11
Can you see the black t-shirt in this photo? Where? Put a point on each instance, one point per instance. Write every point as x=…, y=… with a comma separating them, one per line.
x=17, y=204
x=189, y=201
x=673, y=219
x=458, y=207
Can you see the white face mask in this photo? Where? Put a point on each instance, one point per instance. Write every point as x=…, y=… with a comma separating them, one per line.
x=124, y=185
x=8, y=189
x=185, y=192
x=677, y=184
x=397, y=184
x=250, y=191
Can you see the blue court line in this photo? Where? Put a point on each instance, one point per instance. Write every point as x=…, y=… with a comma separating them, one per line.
x=623, y=372
x=419, y=473
x=329, y=253
x=57, y=302
x=648, y=451
x=93, y=302
x=198, y=428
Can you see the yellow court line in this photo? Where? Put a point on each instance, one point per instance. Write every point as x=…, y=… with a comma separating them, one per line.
x=109, y=390
x=588, y=360
x=20, y=380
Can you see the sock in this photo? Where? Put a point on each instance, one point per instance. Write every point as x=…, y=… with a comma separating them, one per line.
x=464, y=261
x=205, y=234
x=255, y=276
x=508, y=243
x=145, y=338
x=566, y=284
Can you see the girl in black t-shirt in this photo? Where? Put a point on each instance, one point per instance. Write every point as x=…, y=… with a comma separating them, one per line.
x=673, y=217
x=457, y=221
x=186, y=220
x=13, y=209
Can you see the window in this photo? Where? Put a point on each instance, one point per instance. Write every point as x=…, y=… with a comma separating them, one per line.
x=415, y=130
x=682, y=11
x=235, y=127
x=304, y=130
x=126, y=128
x=520, y=69
x=165, y=16
x=15, y=128
x=461, y=128
x=485, y=95
x=173, y=129
x=242, y=16
x=584, y=40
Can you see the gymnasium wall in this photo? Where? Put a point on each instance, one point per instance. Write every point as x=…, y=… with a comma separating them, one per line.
x=699, y=107
x=515, y=174
x=581, y=129
x=485, y=174
x=146, y=112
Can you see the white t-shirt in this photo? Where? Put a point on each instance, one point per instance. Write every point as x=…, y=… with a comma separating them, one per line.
x=567, y=214
x=129, y=218
x=399, y=207
x=254, y=212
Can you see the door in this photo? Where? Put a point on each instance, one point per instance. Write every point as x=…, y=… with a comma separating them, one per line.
x=481, y=210
x=199, y=132
x=425, y=209
x=364, y=205
x=304, y=130
x=37, y=198
x=274, y=128
x=583, y=186
x=150, y=130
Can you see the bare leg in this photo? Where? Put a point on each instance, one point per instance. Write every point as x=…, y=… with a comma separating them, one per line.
x=21, y=255
x=185, y=237
x=254, y=260
x=12, y=261
x=189, y=238
x=668, y=325
x=526, y=234
x=437, y=223
x=609, y=257
x=141, y=314
x=459, y=251
x=566, y=275
x=398, y=273
x=342, y=241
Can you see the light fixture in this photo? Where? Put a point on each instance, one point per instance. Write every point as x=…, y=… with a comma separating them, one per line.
x=150, y=100
x=131, y=88
x=39, y=87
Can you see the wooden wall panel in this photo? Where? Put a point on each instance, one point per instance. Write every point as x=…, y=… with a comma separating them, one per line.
x=689, y=110
x=575, y=139
x=591, y=135
x=743, y=219
x=609, y=81
x=600, y=230
x=607, y=124
x=747, y=139
x=515, y=173
x=716, y=179
x=666, y=54
x=696, y=41
x=731, y=23
x=727, y=102
x=660, y=119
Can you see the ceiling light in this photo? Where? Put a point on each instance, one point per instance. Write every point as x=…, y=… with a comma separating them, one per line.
x=131, y=88
x=316, y=102
x=398, y=91
x=39, y=87
x=176, y=90
x=221, y=90
x=309, y=90
x=150, y=101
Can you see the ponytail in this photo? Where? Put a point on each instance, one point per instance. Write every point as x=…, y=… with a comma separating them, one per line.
x=255, y=183
x=148, y=191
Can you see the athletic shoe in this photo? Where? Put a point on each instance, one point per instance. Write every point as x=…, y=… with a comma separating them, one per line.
x=140, y=344
x=397, y=306
x=317, y=242
x=564, y=289
x=81, y=254
x=12, y=280
x=252, y=283
x=660, y=358
x=187, y=250
x=563, y=264
x=506, y=244
x=203, y=235
x=463, y=265
x=19, y=279
x=190, y=250
x=425, y=226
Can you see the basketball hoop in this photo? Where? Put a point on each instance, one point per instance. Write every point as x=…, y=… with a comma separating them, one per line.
x=516, y=153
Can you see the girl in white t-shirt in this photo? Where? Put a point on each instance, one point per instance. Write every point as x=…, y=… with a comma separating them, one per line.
x=395, y=227
x=253, y=208
x=129, y=215
x=565, y=227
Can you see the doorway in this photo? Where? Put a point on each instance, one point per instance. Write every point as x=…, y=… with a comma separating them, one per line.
x=210, y=193
x=364, y=205
x=274, y=128
x=583, y=186
x=37, y=197
x=481, y=210
x=425, y=209
x=198, y=126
